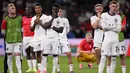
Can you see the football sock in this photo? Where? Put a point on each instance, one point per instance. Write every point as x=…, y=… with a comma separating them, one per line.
x=113, y=64
x=9, y=62
x=29, y=63
x=55, y=62
x=18, y=64
x=108, y=69
x=102, y=64
x=71, y=67
x=123, y=69
x=34, y=63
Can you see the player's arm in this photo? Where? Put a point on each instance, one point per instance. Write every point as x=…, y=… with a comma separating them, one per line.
x=105, y=26
x=118, y=27
x=95, y=23
x=46, y=25
x=68, y=26
x=79, y=50
x=3, y=26
x=33, y=24
x=123, y=27
x=59, y=30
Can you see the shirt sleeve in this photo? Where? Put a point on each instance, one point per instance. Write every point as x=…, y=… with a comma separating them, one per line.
x=81, y=44
x=105, y=24
x=3, y=25
x=118, y=26
x=32, y=21
x=67, y=25
x=124, y=23
x=93, y=20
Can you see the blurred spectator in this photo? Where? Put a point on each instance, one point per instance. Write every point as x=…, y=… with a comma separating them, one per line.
x=20, y=7
x=64, y=11
x=78, y=33
x=71, y=34
x=88, y=15
x=82, y=18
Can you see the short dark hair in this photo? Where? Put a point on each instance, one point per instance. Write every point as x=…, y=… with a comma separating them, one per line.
x=112, y=2
x=56, y=5
x=37, y=4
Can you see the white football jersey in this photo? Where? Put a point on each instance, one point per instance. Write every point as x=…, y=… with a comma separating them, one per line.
x=63, y=35
x=39, y=32
x=111, y=26
x=98, y=33
x=57, y=22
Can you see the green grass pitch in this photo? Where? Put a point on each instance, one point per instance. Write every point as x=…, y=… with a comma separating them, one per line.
x=64, y=66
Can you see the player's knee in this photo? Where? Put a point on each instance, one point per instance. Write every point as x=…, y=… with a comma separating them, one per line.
x=39, y=53
x=27, y=50
x=28, y=57
x=103, y=58
x=31, y=49
x=122, y=57
x=108, y=61
x=68, y=54
x=17, y=54
x=33, y=55
x=77, y=55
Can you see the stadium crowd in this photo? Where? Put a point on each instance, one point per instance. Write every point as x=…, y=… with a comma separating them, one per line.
x=78, y=13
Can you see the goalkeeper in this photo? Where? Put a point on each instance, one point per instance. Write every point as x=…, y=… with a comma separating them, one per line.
x=84, y=51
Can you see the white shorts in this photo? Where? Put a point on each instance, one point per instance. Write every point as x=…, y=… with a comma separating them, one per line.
x=110, y=49
x=97, y=45
x=36, y=45
x=122, y=48
x=65, y=46
x=27, y=41
x=51, y=46
x=13, y=47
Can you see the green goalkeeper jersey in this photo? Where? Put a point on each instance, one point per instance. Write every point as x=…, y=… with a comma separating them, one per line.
x=121, y=34
x=13, y=29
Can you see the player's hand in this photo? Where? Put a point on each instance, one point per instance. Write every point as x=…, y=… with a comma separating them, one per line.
x=99, y=15
x=36, y=22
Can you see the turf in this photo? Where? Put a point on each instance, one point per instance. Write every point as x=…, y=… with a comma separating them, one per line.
x=64, y=66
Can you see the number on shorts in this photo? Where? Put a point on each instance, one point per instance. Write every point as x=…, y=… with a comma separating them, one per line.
x=117, y=49
x=20, y=47
x=123, y=48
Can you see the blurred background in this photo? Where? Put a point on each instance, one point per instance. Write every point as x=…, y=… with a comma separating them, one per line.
x=78, y=12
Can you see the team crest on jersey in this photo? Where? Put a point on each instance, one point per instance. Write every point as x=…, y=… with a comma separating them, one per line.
x=58, y=22
x=115, y=20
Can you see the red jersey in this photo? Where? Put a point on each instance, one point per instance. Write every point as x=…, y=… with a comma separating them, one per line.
x=85, y=46
x=26, y=23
